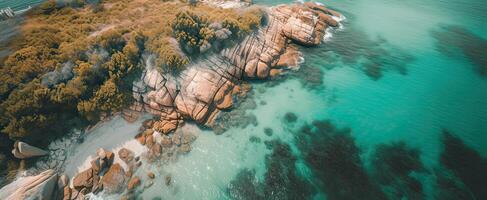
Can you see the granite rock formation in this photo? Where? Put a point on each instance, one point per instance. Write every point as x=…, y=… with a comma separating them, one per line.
x=40, y=186
x=207, y=85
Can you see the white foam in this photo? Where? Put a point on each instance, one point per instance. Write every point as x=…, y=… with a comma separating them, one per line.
x=329, y=31
x=328, y=35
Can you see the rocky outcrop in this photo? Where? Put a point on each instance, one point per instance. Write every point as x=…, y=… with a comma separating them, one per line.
x=23, y=150
x=41, y=187
x=207, y=86
x=102, y=174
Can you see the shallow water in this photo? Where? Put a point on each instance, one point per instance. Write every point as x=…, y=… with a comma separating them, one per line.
x=396, y=76
x=387, y=77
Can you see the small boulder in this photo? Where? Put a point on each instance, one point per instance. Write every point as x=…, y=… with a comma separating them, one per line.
x=148, y=183
x=141, y=139
x=167, y=180
x=63, y=181
x=149, y=141
x=187, y=138
x=156, y=149
x=133, y=183
x=151, y=175
x=176, y=139
x=147, y=124
x=126, y=155
x=102, y=154
x=184, y=148
x=67, y=193
x=166, y=142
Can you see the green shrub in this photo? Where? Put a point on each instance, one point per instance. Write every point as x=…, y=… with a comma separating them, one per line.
x=192, y=31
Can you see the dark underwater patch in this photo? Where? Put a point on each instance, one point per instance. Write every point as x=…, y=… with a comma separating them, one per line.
x=254, y=139
x=452, y=40
x=466, y=164
x=392, y=165
x=334, y=159
x=237, y=117
x=290, y=117
x=268, y=131
x=353, y=47
x=310, y=75
x=280, y=181
x=449, y=187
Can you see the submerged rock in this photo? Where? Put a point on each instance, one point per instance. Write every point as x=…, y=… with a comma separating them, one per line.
x=126, y=155
x=167, y=180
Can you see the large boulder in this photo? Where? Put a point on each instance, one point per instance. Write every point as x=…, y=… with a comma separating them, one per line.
x=23, y=150
x=40, y=187
x=83, y=180
x=113, y=181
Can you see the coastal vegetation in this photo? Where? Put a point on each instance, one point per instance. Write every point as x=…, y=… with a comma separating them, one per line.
x=73, y=62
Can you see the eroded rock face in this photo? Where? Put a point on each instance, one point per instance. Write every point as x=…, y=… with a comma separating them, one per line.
x=41, y=187
x=207, y=86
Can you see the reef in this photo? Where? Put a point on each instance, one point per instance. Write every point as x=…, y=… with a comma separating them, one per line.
x=452, y=39
x=353, y=47
x=466, y=165
x=334, y=159
x=281, y=179
x=393, y=165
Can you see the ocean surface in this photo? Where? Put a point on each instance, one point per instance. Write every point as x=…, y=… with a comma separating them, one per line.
x=18, y=4
x=392, y=106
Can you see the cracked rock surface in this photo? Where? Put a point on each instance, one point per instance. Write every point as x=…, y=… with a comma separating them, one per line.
x=207, y=85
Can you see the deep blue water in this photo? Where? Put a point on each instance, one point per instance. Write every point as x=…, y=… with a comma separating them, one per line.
x=394, y=106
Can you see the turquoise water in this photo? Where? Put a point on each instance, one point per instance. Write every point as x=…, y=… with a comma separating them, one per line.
x=382, y=93
x=18, y=4
x=399, y=102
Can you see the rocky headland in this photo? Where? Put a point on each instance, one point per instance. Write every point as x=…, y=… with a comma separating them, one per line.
x=199, y=93
x=207, y=86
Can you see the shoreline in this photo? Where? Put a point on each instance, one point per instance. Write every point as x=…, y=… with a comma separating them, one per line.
x=200, y=98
